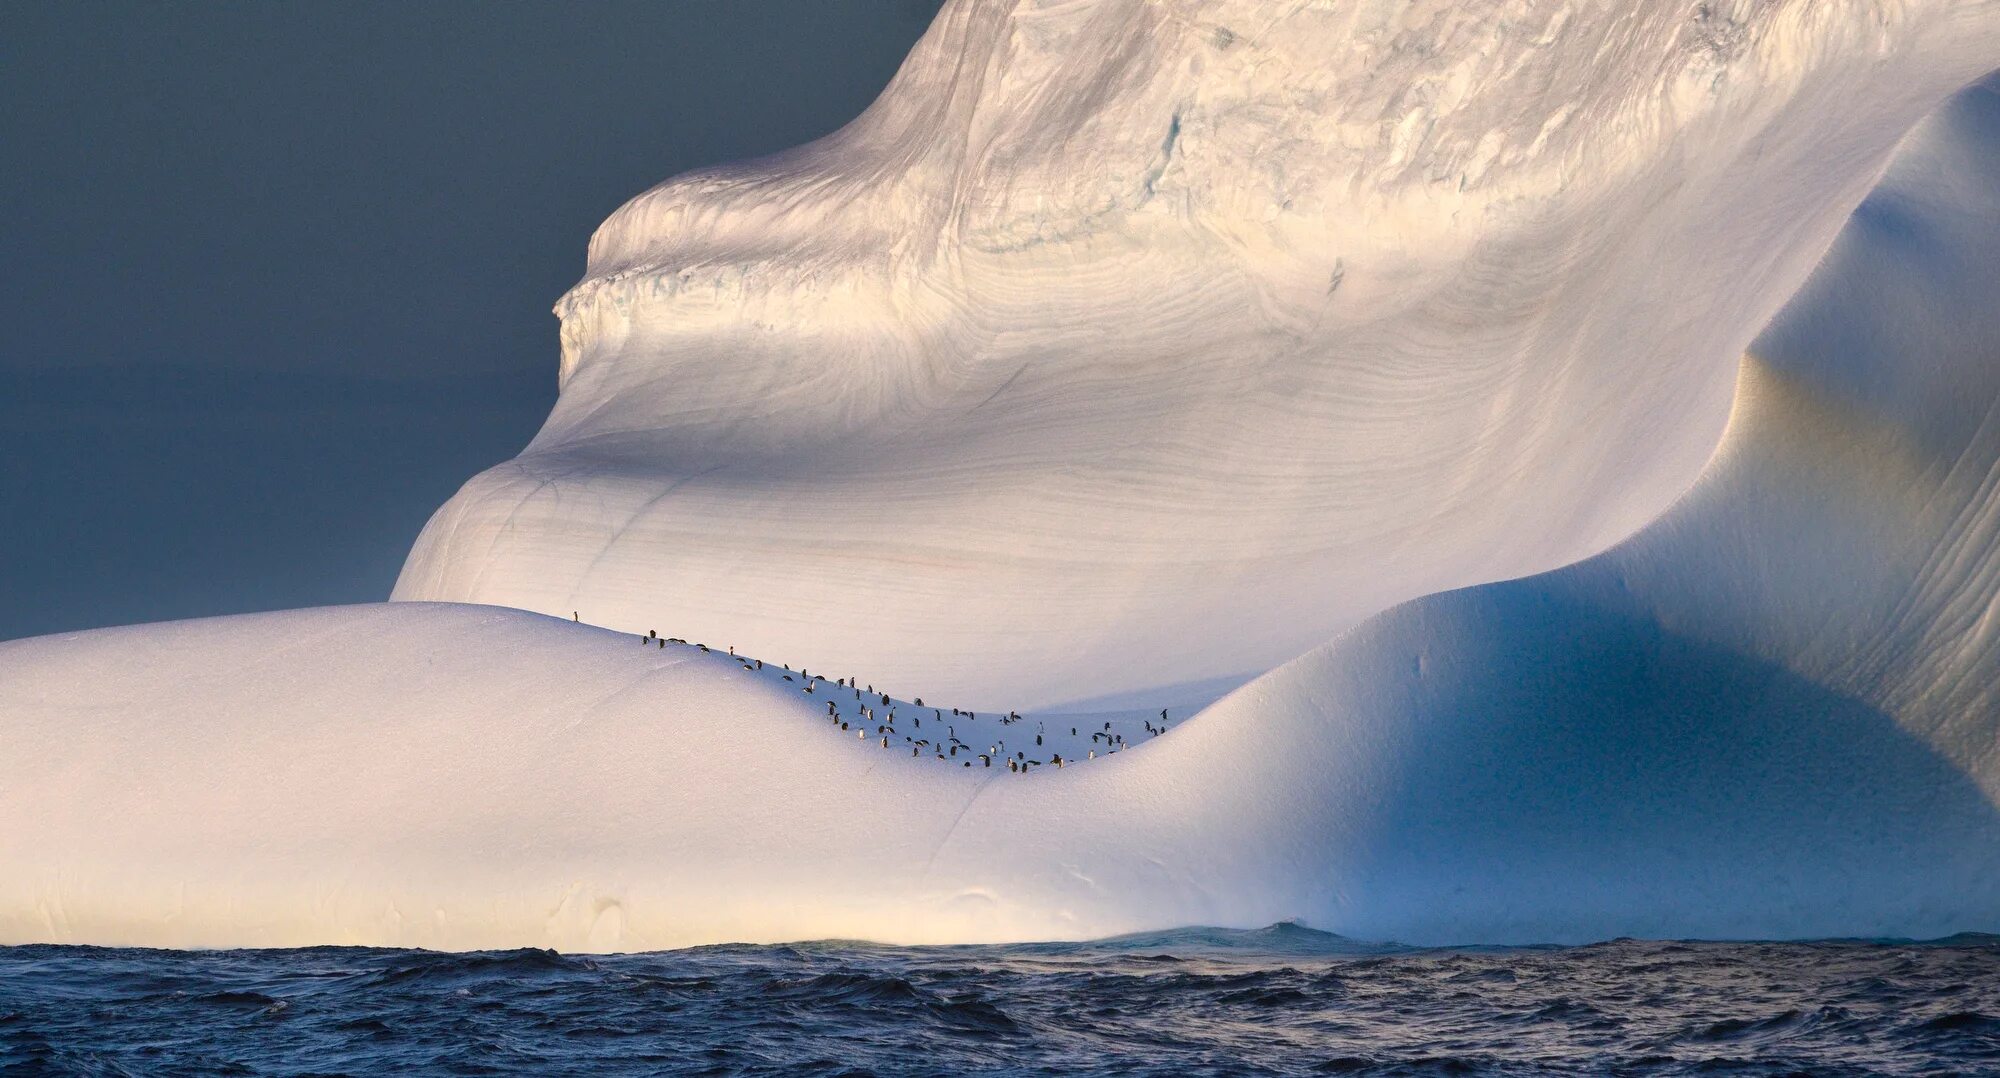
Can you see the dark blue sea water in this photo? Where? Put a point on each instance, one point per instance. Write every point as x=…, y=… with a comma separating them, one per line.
x=1282, y=1000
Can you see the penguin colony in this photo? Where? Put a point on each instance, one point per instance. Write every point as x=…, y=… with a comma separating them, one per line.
x=953, y=736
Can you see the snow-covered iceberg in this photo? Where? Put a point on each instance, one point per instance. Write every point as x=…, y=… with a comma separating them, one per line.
x=1125, y=346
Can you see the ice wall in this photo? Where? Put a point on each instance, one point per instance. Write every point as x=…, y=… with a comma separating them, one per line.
x=1122, y=343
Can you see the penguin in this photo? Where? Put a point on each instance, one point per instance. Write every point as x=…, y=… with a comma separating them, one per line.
x=663, y=645
x=920, y=701
x=573, y=616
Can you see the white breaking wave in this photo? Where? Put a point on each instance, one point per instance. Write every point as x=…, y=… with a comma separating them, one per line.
x=1133, y=345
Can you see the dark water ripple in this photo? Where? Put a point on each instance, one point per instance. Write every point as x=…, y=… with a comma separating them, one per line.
x=1283, y=1000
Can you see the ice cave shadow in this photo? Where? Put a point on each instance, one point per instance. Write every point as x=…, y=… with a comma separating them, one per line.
x=1575, y=755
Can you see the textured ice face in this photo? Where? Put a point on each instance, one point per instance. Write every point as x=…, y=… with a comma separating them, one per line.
x=1123, y=344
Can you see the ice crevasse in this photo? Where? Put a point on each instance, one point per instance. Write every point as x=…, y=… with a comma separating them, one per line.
x=1573, y=442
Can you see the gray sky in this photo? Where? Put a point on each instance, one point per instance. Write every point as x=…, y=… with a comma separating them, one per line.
x=275, y=278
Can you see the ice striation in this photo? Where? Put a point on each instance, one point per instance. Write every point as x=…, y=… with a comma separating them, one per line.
x=1123, y=344
x=1126, y=350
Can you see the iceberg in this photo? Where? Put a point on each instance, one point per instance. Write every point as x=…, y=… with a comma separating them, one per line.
x=1121, y=345
x=1558, y=433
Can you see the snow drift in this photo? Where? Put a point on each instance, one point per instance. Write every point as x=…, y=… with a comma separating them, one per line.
x=1123, y=346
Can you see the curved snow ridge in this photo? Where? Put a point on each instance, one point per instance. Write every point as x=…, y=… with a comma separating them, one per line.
x=465, y=777
x=1773, y=712
x=1122, y=344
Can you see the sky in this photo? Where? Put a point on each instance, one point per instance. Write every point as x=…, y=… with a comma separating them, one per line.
x=275, y=278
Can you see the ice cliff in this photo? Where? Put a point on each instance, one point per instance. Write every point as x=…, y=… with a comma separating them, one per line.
x=1123, y=344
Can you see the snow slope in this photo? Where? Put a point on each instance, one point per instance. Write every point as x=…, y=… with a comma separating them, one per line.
x=1768, y=712
x=1775, y=711
x=1123, y=344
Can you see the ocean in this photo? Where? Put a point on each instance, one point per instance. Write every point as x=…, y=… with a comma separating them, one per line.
x=1284, y=1000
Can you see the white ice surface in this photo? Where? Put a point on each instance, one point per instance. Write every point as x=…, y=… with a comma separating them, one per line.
x=1123, y=344
x=1770, y=712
